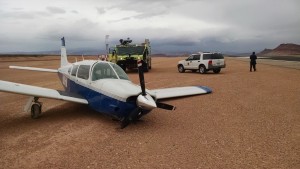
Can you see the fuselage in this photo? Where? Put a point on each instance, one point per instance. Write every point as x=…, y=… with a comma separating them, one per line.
x=104, y=85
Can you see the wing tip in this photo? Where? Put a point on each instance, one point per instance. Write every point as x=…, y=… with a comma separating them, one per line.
x=207, y=89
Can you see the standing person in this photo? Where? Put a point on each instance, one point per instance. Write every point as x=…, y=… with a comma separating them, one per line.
x=253, y=58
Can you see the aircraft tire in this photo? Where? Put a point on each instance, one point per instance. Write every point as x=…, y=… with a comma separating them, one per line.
x=35, y=110
x=123, y=67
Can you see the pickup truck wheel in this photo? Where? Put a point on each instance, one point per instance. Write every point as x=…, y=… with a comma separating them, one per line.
x=217, y=70
x=123, y=67
x=181, y=69
x=202, y=69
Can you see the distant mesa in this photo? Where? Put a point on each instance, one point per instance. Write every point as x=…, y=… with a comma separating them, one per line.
x=285, y=49
x=265, y=51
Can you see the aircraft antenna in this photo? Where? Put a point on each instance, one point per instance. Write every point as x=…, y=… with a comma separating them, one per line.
x=63, y=43
x=106, y=43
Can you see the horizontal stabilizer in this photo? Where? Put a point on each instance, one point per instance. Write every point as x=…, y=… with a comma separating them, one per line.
x=180, y=91
x=39, y=92
x=34, y=69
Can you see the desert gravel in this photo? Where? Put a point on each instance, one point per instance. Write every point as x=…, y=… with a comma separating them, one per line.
x=251, y=120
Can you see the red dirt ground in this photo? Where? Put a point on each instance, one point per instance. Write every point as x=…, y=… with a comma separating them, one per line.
x=251, y=120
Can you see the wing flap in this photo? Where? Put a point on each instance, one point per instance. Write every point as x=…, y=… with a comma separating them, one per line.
x=34, y=69
x=38, y=92
x=181, y=91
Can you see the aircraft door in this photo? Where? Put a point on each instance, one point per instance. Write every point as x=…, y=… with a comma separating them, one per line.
x=73, y=78
x=83, y=76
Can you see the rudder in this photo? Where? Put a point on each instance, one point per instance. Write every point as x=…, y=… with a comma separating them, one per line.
x=63, y=53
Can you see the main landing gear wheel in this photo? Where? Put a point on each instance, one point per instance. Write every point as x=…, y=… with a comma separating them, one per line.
x=36, y=109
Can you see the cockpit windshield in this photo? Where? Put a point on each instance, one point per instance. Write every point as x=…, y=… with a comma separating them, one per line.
x=103, y=70
x=120, y=71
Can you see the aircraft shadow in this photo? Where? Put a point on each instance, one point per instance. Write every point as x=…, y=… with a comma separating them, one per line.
x=63, y=113
x=72, y=111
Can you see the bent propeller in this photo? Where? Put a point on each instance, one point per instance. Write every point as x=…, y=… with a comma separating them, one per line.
x=144, y=101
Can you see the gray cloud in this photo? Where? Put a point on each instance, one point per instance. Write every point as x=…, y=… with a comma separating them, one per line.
x=18, y=15
x=74, y=11
x=150, y=14
x=55, y=10
x=171, y=25
x=100, y=10
x=146, y=9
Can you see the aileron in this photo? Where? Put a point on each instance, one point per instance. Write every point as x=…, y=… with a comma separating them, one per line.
x=180, y=91
x=37, y=92
x=34, y=69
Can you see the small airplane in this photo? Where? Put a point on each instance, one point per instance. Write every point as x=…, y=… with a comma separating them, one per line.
x=103, y=86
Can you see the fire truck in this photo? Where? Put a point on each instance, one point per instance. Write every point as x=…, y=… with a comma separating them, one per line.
x=127, y=54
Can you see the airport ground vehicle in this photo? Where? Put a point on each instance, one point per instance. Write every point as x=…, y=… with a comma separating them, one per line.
x=126, y=54
x=202, y=61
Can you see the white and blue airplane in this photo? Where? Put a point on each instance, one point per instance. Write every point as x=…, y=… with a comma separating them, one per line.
x=101, y=85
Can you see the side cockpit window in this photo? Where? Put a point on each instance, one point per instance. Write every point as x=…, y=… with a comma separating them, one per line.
x=83, y=72
x=69, y=70
x=74, y=70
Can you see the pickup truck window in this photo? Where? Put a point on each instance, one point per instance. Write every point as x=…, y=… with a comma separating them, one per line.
x=190, y=57
x=196, y=57
x=213, y=56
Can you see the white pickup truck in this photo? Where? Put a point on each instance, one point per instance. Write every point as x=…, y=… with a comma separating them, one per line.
x=202, y=61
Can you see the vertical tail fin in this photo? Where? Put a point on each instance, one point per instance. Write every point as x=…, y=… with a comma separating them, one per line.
x=63, y=53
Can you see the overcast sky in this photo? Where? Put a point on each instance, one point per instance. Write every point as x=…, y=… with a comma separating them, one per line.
x=171, y=25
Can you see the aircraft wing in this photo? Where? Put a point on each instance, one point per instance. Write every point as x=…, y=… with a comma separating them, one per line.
x=34, y=69
x=39, y=92
x=180, y=91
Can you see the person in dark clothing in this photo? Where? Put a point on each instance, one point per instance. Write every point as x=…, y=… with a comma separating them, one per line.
x=253, y=58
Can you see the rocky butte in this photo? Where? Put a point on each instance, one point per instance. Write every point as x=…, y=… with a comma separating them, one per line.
x=282, y=50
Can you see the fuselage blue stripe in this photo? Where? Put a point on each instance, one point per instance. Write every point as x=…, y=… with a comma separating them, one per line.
x=98, y=101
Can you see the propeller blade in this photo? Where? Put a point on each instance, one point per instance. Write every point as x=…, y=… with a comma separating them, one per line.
x=130, y=118
x=165, y=106
x=125, y=122
x=141, y=75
